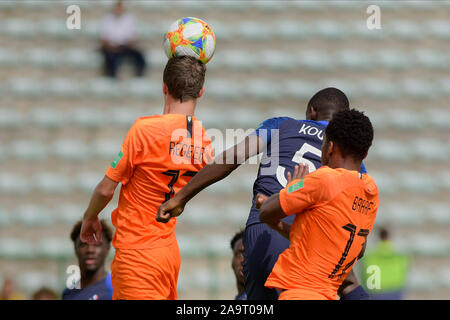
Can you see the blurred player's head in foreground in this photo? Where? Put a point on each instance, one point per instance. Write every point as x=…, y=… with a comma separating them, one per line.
x=119, y=8
x=236, y=263
x=45, y=293
x=91, y=258
x=325, y=103
x=183, y=81
x=347, y=140
x=384, y=234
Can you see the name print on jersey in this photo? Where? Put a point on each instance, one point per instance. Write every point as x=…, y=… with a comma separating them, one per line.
x=311, y=130
x=362, y=205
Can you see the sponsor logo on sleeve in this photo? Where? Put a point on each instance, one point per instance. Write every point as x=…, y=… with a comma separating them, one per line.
x=116, y=160
x=296, y=186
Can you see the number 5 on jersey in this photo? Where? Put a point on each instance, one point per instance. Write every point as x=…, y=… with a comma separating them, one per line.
x=299, y=158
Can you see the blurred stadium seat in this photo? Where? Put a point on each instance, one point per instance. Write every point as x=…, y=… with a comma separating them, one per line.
x=12, y=183
x=28, y=150
x=55, y=248
x=51, y=183
x=33, y=281
x=5, y=218
x=16, y=248
x=47, y=117
x=421, y=280
x=70, y=150
x=31, y=215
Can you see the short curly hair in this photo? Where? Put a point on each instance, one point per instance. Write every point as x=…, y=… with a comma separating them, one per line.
x=107, y=232
x=352, y=132
x=239, y=235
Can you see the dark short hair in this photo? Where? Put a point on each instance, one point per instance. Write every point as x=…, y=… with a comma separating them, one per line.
x=384, y=233
x=329, y=99
x=236, y=237
x=352, y=132
x=106, y=231
x=184, y=77
x=44, y=291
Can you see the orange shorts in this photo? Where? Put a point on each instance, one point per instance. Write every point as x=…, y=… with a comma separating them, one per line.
x=302, y=294
x=146, y=274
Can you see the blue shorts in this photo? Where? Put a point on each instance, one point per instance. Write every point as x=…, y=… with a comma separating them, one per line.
x=262, y=246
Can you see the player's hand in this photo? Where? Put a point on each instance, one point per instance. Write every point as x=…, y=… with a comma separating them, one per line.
x=260, y=199
x=300, y=172
x=169, y=209
x=91, y=231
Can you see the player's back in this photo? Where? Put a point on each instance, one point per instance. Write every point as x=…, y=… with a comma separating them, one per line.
x=159, y=156
x=335, y=212
x=296, y=141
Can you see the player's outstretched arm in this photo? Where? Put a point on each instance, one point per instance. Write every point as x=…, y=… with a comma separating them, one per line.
x=222, y=166
x=91, y=228
x=271, y=214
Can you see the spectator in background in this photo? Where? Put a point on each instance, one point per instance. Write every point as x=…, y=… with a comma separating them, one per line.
x=95, y=281
x=238, y=257
x=390, y=266
x=118, y=41
x=9, y=291
x=45, y=293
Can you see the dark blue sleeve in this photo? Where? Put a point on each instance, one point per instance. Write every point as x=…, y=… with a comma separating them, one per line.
x=356, y=294
x=264, y=129
x=109, y=286
x=363, y=168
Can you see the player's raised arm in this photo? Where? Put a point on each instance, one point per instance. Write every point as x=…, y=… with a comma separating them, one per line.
x=91, y=229
x=222, y=166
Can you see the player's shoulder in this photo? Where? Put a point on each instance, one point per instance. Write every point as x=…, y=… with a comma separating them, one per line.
x=314, y=122
x=324, y=175
x=303, y=123
x=159, y=124
x=273, y=122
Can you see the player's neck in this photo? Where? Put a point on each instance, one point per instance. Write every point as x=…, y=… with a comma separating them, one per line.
x=173, y=106
x=90, y=277
x=345, y=163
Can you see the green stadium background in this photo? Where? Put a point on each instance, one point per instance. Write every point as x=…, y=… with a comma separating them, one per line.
x=61, y=123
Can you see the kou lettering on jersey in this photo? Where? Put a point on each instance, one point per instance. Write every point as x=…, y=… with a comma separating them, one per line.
x=312, y=131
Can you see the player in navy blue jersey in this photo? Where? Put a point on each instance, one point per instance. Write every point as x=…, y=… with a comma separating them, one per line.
x=95, y=282
x=286, y=142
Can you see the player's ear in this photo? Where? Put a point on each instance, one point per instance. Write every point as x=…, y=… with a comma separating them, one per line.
x=331, y=148
x=165, y=89
x=313, y=113
x=202, y=91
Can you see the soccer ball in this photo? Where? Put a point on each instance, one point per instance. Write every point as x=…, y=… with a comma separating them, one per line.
x=190, y=37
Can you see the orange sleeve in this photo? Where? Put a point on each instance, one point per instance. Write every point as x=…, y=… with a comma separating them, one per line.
x=122, y=167
x=299, y=195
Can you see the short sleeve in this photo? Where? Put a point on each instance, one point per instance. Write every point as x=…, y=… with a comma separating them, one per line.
x=299, y=195
x=122, y=167
x=264, y=129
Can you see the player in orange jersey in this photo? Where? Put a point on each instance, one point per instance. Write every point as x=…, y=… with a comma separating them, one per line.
x=335, y=209
x=159, y=155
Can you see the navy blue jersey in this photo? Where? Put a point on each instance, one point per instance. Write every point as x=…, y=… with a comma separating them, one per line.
x=288, y=143
x=101, y=290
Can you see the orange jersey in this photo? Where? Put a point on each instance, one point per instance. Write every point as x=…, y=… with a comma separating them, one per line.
x=160, y=154
x=335, y=212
